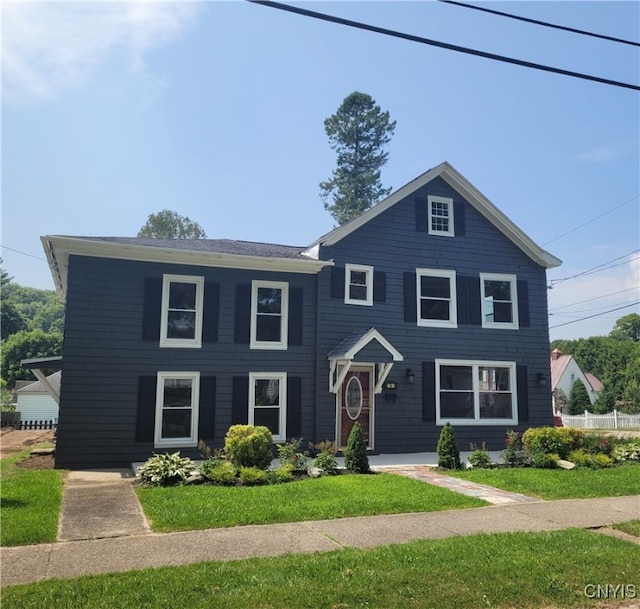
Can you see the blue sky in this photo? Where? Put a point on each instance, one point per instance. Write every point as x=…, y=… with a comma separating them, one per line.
x=112, y=111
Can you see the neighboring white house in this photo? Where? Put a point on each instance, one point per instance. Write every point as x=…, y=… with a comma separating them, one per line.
x=564, y=373
x=35, y=403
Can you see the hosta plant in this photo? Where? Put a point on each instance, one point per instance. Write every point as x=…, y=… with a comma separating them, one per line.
x=165, y=470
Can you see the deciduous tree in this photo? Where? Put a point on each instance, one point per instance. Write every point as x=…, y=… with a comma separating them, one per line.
x=167, y=224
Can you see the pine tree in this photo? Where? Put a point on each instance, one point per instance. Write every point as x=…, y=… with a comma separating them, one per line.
x=448, y=453
x=355, y=455
x=357, y=132
x=579, y=398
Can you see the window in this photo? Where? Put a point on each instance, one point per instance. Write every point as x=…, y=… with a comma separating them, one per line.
x=177, y=396
x=358, y=287
x=268, y=402
x=475, y=393
x=440, y=216
x=499, y=301
x=182, y=304
x=436, y=298
x=269, y=314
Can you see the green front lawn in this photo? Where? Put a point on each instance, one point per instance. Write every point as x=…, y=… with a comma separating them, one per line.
x=202, y=507
x=525, y=570
x=559, y=483
x=632, y=527
x=30, y=503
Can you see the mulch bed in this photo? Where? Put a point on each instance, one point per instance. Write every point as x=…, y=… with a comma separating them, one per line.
x=37, y=462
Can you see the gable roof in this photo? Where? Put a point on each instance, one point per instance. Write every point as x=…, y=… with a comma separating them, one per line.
x=225, y=253
x=471, y=194
x=38, y=387
x=351, y=345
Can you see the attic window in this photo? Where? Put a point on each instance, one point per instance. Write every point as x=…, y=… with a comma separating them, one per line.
x=440, y=216
x=358, y=284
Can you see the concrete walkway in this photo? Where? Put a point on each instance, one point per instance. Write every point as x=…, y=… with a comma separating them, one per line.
x=102, y=527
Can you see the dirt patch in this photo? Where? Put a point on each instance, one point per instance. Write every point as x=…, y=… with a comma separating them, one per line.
x=37, y=462
x=12, y=441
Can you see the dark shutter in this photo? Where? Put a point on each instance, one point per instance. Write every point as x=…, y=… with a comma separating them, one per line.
x=337, y=282
x=146, y=414
x=523, y=393
x=475, y=302
x=429, y=392
x=296, y=302
x=294, y=407
x=242, y=332
x=410, y=303
x=459, y=225
x=379, y=286
x=523, y=303
x=152, y=308
x=422, y=214
x=207, y=405
x=462, y=298
x=240, y=400
x=211, y=312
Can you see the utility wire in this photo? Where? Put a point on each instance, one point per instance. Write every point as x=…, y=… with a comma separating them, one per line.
x=443, y=45
x=543, y=23
x=23, y=253
x=592, y=299
x=573, y=230
x=575, y=321
x=598, y=269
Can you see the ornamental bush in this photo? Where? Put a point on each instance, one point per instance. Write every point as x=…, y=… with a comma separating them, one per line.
x=479, y=457
x=165, y=470
x=290, y=453
x=552, y=440
x=355, y=455
x=448, y=453
x=253, y=476
x=249, y=446
x=218, y=471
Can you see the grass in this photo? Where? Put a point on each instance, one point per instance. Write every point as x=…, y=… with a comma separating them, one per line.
x=524, y=570
x=202, y=507
x=632, y=527
x=559, y=483
x=30, y=503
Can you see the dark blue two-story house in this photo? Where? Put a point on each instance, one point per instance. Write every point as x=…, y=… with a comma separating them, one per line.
x=429, y=307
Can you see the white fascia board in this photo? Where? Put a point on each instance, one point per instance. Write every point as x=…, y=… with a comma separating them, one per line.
x=372, y=334
x=59, y=248
x=475, y=198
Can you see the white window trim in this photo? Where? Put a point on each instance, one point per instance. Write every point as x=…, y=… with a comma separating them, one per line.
x=513, y=280
x=449, y=202
x=284, y=315
x=192, y=440
x=452, y=322
x=475, y=364
x=187, y=343
x=363, y=268
x=282, y=422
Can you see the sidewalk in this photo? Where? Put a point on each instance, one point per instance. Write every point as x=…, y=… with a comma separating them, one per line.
x=102, y=527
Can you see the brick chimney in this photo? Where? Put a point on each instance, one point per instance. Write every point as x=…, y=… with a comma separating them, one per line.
x=556, y=353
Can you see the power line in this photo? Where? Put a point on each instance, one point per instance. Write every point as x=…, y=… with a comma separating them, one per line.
x=23, y=253
x=443, y=45
x=543, y=23
x=598, y=269
x=573, y=230
x=575, y=321
x=592, y=299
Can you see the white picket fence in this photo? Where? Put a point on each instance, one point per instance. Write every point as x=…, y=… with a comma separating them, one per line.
x=611, y=420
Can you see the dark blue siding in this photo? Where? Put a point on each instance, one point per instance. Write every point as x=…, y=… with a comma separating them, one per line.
x=393, y=245
x=105, y=356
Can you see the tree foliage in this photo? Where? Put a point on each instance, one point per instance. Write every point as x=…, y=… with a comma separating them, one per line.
x=358, y=131
x=355, y=455
x=579, y=398
x=627, y=328
x=26, y=345
x=448, y=453
x=167, y=224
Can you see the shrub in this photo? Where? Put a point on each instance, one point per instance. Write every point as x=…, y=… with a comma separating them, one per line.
x=253, y=476
x=165, y=470
x=219, y=471
x=514, y=453
x=583, y=459
x=601, y=460
x=579, y=398
x=552, y=440
x=291, y=453
x=544, y=460
x=326, y=447
x=283, y=474
x=448, y=453
x=327, y=463
x=571, y=438
x=355, y=455
x=249, y=446
x=629, y=451
x=479, y=457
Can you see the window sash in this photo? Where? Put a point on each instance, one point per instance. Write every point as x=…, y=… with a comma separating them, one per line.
x=358, y=289
x=476, y=392
x=441, y=220
x=436, y=301
x=177, y=399
x=269, y=314
x=268, y=402
x=182, y=311
x=499, y=296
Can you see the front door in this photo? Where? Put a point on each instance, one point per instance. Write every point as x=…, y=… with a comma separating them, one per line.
x=355, y=403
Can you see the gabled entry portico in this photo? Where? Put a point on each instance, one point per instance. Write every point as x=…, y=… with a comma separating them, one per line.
x=359, y=366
